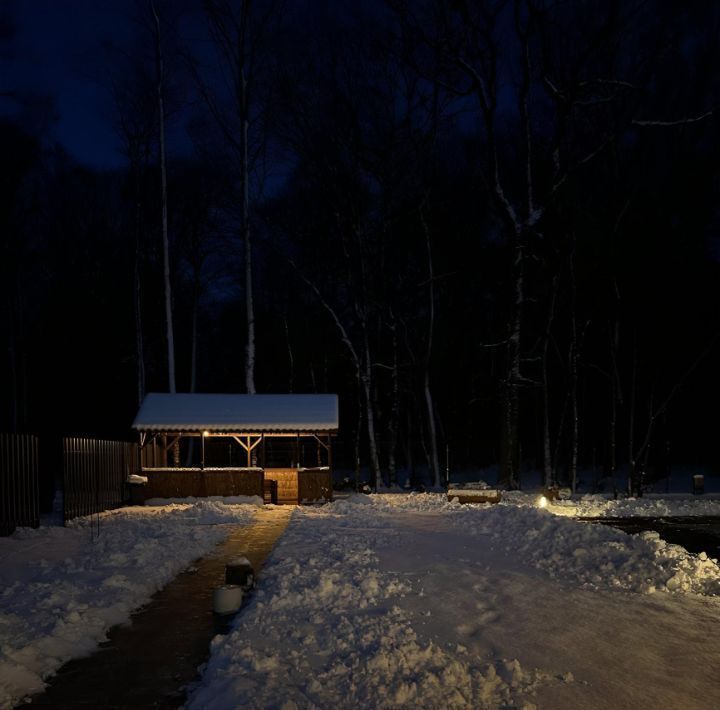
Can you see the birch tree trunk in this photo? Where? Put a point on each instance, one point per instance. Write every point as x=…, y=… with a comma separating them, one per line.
x=358, y=435
x=394, y=422
x=433, y=458
x=137, y=309
x=409, y=457
x=236, y=39
x=547, y=455
x=574, y=429
x=510, y=463
x=291, y=358
x=164, y=200
x=193, y=348
x=573, y=363
x=370, y=417
x=631, y=432
x=137, y=300
x=245, y=170
x=616, y=401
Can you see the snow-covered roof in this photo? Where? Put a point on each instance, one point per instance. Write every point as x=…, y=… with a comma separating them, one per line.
x=238, y=412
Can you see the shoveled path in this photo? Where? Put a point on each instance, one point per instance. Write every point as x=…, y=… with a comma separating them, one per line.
x=148, y=663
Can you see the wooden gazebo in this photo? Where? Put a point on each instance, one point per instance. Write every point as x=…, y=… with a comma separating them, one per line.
x=229, y=444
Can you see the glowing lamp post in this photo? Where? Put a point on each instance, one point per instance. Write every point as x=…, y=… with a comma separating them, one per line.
x=202, y=449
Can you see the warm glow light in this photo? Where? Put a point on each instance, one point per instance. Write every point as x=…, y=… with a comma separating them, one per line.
x=206, y=433
x=542, y=502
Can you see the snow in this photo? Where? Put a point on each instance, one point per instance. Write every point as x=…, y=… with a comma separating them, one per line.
x=238, y=412
x=227, y=500
x=474, y=493
x=176, y=469
x=411, y=600
x=393, y=600
x=135, y=478
x=651, y=505
x=63, y=588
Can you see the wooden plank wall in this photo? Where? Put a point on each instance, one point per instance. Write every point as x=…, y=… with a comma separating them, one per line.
x=293, y=486
x=200, y=484
x=287, y=484
x=314, y=484
x=301, y=485
x=19, y=493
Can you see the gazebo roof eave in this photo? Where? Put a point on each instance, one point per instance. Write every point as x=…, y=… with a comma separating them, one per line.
x=210, y=431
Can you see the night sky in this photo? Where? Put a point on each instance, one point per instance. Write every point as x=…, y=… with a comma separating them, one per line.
x=53, y=53
x=387, y=218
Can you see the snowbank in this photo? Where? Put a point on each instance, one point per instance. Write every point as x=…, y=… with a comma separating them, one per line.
x=63, y=588
x=227, y=500
x=595, y=556
x=327, y=628
x=591, y=556
x=411, y=600
x=652, y=505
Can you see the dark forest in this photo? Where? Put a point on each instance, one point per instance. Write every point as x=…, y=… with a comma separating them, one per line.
x=491, y=227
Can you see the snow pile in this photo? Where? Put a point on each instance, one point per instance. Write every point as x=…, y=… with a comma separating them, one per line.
x=654, y=506
x=207, y=504
x=391, y=502
x=205, y=511
x=594, y=556
x=327, y=627
x=63, y=588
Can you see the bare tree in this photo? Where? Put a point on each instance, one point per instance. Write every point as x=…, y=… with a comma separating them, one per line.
x=433, y=457
x=548, y=462
x=160, y=68
x=238, y=35
x=133, y=96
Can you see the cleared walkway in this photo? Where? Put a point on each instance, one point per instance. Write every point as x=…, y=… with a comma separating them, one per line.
x=149, y=663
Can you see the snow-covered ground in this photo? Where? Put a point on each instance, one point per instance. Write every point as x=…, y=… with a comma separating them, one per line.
x=394, y=600
x=61, y=589
x=603, y=505
x=651, y=505
x=408, y=600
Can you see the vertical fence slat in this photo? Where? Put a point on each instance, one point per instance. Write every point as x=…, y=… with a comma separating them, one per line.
x=36, y=481
x=95, y=473
x=19, y=486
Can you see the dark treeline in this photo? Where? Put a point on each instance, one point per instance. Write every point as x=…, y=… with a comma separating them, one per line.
x=491, y=227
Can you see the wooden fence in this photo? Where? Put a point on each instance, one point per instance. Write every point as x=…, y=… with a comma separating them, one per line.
x=19, y=493
x=184, y=482
x=295, y=486
x=95, y=472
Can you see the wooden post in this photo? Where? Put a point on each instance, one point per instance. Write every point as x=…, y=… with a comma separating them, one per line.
x=329, y=452
x=249, y=453
x=297, y=450
x=202, y=451
x=447, y=465
x=263, y=461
